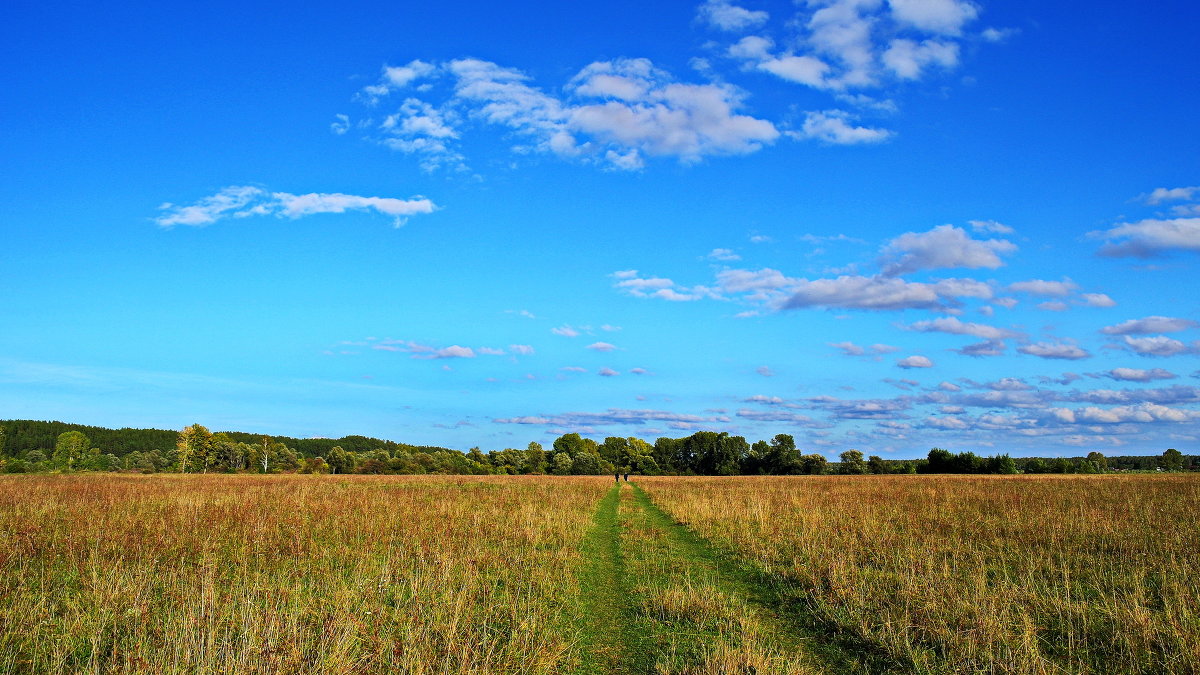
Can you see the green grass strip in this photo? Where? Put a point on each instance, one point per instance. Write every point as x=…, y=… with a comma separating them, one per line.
x=797, y=629
x=612, y=639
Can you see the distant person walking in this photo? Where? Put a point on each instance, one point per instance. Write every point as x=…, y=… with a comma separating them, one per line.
x=617, y=478
x=626, y=478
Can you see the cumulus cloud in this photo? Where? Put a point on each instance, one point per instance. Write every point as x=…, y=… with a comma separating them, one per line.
x=614, y=113
x=1139, y=375
x=1150, y=324
x=1054, y=350
x=1097, y=300
x=607, y=372
x=630, y=283
x=727, y=16
x=841, y=45
x=240, y=201
x=1044, y=288
x=942, y=247
x=915, y=362
x=601, y=347
x=908, y=58
x=836, y=127
x=524, y=350
x=935, y=16
x=565, y=331
x=1158, y=345
x=1149, y=238
x=955, y=326
x=765, y=371
x=881, y=293
x=1160, y=195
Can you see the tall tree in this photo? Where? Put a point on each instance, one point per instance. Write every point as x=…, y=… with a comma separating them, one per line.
x=194, y=448
x=70, y=450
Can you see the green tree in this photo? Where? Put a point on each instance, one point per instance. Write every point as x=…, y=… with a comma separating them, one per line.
x=1099, y=459
x=813, y=464
x=194, y=448
x=1172, y=460
x=339, y=460
x=71, y=450
x=535, y=458
x=876, y=464
x=852, y=463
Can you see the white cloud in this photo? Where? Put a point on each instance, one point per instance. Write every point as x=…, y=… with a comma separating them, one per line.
x=1151, y=237
x=954, y=326
x=1044, y=288
x=1158, y=345
x=565, y=331
x=942, y=247
x=1160, y=195
x=727, y=16
x=613, y=114
x=807, y=70
x=997, y=34
x=915, y=362
x=1053, y=306
x=524, y=350
x=1054, y=350
x=491, y=351
x=851, y=349
x=1139, y=375
x=1097, y=300
x=833, y=126
x=907, y=58
x=245, y=201
x=879, y=293
x=601, y=347
x=451, y=352
x=1150, y=324
x=936, y=16
x=765, y=371
x=607, y=372
x=985, y=348
x=723, y=254
x=658, y=287
x=394, y=78
x=990, y=226
x=638, y=371
x=341, y=125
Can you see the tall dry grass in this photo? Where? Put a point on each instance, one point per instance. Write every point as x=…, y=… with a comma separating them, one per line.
x=225, y=574
x=975, y=574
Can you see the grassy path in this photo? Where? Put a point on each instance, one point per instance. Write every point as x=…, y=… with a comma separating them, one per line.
x=660, y=599
x=786, y=626
x=612, y=642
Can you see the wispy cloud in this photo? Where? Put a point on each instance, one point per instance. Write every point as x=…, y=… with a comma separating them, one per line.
x=243, y=201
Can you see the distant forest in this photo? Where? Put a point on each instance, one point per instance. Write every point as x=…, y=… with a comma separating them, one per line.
x=35, y=446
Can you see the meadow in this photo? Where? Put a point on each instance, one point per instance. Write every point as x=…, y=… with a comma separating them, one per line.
x=537, y=574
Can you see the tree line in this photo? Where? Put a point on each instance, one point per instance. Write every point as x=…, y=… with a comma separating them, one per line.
x=32, y=446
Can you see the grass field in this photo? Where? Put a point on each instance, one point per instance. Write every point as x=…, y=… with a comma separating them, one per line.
x=336, y=574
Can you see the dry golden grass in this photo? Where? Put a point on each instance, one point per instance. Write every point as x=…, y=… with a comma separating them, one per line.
x=975, y=574
x=243, y=574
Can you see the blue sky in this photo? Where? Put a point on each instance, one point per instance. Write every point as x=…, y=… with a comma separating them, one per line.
x=876, y=225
